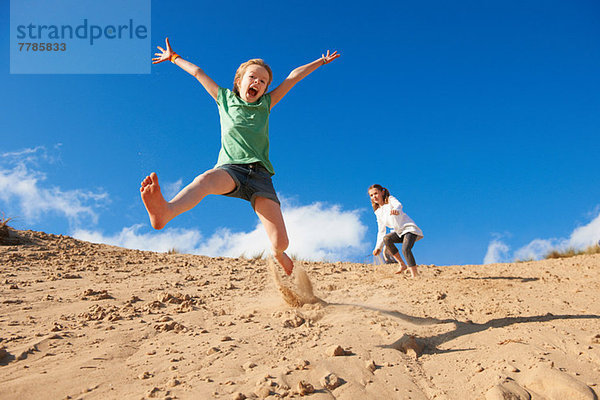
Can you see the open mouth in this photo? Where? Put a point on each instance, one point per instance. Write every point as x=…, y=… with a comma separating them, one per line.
x=252, y=92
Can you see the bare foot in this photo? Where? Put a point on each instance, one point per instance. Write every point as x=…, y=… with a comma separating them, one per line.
x=156, y=205
x=286, y=263
x=413, y=272
x=401, y=270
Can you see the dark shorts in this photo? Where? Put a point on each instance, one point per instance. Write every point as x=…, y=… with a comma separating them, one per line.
x=251, y=181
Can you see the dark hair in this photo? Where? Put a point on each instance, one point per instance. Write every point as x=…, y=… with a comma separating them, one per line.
x=386, y=195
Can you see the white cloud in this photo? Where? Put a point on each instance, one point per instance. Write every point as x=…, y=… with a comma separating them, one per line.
x=23, y=190
x=496, y=253
x=316, y=232
x=580, y=238
x=185, y=241
x=537, y=249
x=586, y=235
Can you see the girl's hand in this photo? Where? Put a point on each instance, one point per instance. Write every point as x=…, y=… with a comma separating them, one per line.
x=327, y=58
x=376, y=252
x=165, y=55
x=394, y=212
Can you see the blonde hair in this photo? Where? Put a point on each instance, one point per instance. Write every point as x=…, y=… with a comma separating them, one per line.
x=242, y=69
x=386, y=195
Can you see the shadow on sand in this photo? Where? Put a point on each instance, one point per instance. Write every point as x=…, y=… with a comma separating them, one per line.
x=510, y=278
x=461, y=328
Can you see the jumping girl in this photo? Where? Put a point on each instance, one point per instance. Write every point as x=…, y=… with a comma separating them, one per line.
x=243, y=168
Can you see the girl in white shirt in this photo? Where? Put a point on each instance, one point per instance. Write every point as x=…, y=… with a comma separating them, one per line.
x=388, y=211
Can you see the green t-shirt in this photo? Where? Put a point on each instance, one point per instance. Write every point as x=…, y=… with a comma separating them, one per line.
x=244, y=130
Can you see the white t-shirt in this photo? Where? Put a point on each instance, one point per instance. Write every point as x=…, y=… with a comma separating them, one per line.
x=400, y=223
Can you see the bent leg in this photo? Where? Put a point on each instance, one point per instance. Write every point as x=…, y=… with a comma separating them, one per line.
x=408, y=241
x=160, y=211
x=269, y=213
x=389, y=241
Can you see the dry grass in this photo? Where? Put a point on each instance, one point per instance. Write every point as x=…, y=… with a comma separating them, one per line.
x=257, y=256
x=4, y=232
x=4, y=220
x=571, y=252
x=592, y=250
x=524, y=260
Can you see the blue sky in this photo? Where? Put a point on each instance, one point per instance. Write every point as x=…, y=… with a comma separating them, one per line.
x=481, y=117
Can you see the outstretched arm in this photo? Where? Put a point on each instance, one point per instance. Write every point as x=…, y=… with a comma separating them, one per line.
x=298, y=74
x=168, y=54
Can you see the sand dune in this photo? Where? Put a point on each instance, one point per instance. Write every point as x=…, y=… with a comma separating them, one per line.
x=88, y=321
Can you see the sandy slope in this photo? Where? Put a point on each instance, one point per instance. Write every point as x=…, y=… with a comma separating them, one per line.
x=87, y=321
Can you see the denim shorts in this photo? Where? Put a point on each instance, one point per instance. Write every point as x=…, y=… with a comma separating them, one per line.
x=251, y=181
